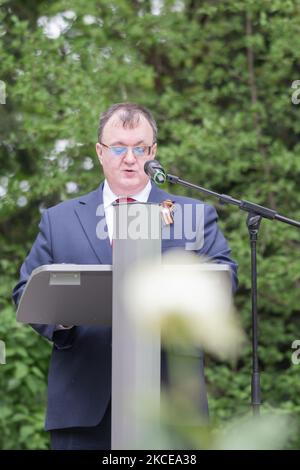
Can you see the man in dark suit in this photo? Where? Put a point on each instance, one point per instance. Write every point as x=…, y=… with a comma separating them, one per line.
x=79, y=382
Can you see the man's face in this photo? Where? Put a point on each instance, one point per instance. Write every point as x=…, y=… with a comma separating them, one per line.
x=125, y=174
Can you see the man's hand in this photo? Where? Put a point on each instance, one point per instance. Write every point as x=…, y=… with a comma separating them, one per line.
x=64, y=327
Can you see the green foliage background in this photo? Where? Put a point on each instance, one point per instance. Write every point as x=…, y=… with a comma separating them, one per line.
x=217, y=75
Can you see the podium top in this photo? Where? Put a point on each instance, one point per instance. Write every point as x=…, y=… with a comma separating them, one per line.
x=68, y=294
x=78, y=294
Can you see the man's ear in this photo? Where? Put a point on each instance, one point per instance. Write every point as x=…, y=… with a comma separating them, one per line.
x=154, y=149
x=99, y=152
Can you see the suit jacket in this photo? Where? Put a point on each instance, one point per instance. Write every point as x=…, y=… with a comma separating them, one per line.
x=79, y=380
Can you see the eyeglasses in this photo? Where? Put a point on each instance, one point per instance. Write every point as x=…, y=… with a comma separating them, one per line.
x=121, y=150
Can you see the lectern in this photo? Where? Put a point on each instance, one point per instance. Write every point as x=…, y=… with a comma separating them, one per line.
x=70, y=294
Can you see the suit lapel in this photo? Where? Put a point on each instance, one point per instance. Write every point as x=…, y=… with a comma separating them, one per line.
x=90, y=212
x=157, y=195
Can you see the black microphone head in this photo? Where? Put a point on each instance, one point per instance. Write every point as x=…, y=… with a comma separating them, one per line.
x=156, y=172
x=151, y=164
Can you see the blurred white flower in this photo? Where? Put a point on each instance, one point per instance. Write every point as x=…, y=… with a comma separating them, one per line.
x=54, y=26
x=62, y=144
x=267, y=432
x=3, y=191
x=42, y=207
x=87, y=163
x=89, y=19
x=22, y=201
x=188, y=301
x=71, y=187
x=24, y=185
x=4, y=181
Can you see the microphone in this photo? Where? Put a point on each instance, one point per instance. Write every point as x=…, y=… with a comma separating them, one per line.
x=156, y=172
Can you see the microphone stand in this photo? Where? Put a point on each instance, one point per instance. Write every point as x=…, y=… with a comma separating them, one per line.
x=255, y=215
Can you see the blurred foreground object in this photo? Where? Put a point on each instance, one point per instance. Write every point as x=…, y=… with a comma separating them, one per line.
x=193, y=308
x=187, y=302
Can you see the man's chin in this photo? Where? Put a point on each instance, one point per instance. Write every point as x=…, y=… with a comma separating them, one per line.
x=131, y=186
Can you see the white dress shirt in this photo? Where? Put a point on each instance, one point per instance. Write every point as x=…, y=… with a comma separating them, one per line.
x=109, y=198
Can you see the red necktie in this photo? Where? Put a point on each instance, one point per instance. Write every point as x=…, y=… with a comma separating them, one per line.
x=124, y=199
x=121, y=200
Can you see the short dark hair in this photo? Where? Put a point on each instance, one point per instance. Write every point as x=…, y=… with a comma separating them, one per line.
x=129, y=115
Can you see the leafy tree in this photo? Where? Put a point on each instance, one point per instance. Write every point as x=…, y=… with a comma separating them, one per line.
x=217, y=75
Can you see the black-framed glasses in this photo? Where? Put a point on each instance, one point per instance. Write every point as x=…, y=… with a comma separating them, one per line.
x=121, y=150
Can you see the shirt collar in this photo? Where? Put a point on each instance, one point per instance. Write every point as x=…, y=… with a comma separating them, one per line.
x=109, y=196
